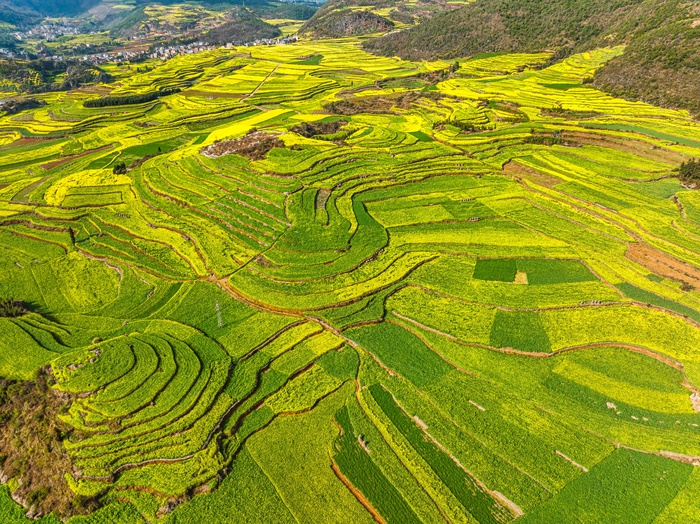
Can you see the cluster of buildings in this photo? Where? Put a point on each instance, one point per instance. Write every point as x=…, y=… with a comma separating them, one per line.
x=49, y=30
x=161, y=52
x=8, y=54
x=166, y=52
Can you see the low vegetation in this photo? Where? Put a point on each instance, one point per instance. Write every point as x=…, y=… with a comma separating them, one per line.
x=244, y=27
x=31, y=447
x=322, y=285
x=312, y=129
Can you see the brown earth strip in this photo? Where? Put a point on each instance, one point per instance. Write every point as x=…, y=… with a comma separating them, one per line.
x=356, y=493
x=65, y=160
x=627, y=144
x=663, y=264
x=27, y=141
x=513, y=168
x=210, y=94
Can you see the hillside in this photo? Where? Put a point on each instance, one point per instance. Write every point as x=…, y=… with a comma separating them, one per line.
x=337, y=18
x=346, y=23
x=662, y=37
x=298, y=282
x=22, y=14
x=492, y=26
x=242, y=26
x=53, y=7
x=661, y=65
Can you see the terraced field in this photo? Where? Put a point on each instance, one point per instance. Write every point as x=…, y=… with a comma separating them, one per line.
x=466, y=296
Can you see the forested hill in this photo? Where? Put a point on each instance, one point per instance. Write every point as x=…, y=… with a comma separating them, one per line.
x=663, y=38
x=50, y=7
x=355, y=17
x=26, y=13
x=23, y=13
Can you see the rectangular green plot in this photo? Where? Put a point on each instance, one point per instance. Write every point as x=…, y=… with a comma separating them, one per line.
x=341, y=364
x=402, y=351
x=495, y=270
x=555, y=271
x=593, y=196
x=626, y=488
x=644, y=131
x=662, y=189
x=520, y=330
x=468, y=210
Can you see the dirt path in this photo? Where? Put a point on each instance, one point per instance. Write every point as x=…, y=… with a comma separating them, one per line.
x=261, y=83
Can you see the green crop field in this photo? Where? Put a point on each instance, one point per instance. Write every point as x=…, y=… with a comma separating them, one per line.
x=461, y=297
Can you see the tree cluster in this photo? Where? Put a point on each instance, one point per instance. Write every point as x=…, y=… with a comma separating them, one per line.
x=244, y=27
x=110, y=101
x=312, y=129
x=13, y=106
x=344, y=22
x=690, y=171
x=11, y=308
x=119, y=168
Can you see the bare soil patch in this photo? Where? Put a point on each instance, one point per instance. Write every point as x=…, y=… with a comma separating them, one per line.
x=521, y=277
x=664, y=265
x=627, y=145
x=31, y=447
x=312, y=129
x=695, y=402
x=513, y=168
x=210, y=94
x=253, y=146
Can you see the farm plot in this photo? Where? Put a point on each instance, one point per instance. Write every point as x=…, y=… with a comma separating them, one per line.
x=466, y=301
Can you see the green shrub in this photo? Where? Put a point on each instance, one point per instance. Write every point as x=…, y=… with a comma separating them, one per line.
x=10, y=308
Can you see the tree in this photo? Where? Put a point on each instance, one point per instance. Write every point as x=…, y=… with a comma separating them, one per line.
x=119, y=168
x=10, y=308
x=690, y=171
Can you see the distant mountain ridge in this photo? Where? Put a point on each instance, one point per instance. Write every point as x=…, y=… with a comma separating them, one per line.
x=53, y=7
x=26, y=13
x=661, y=64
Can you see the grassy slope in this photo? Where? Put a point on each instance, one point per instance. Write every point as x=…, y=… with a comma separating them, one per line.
x=663, y=49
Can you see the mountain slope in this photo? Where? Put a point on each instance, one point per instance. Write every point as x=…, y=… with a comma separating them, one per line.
x=355, y=17
x=508, y=26
x=662, y=38
x=244, y=27
x=660, y=66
